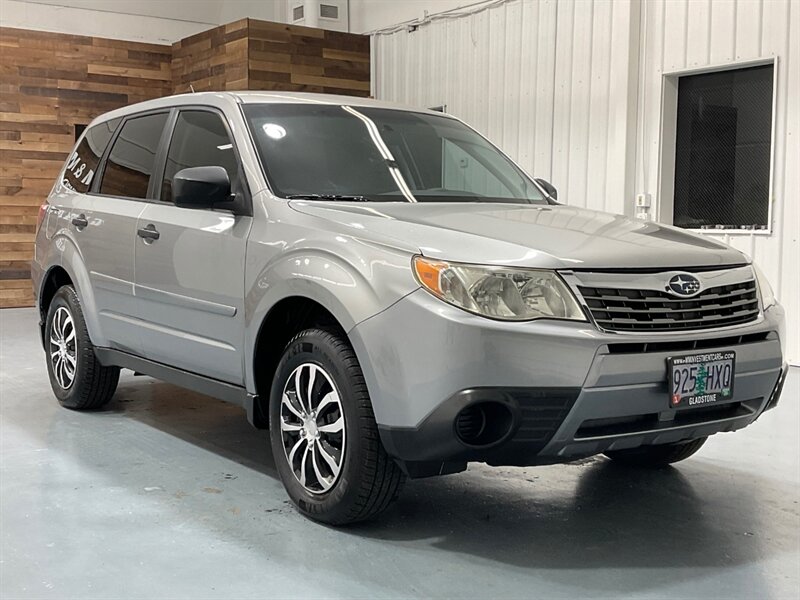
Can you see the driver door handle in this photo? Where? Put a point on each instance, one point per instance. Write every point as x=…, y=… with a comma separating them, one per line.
x=149, y=233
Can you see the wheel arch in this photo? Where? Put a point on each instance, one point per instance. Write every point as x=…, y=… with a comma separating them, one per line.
x=70, y=270
x=286, y=318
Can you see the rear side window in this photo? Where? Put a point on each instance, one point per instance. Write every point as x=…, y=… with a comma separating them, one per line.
x=132, y=158
x=82, y=163
x=200, y=139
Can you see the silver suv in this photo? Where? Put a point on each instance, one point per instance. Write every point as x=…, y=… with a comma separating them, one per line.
x=389, y=294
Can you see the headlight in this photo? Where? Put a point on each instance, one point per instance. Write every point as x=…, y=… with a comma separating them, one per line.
x=764, y=288
x=499, y=292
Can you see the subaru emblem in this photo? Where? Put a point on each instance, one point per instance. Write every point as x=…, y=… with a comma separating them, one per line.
x=684, y=285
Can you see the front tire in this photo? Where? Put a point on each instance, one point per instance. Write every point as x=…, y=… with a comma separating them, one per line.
x=656, y=457
x=78, y=379
x=325, y=441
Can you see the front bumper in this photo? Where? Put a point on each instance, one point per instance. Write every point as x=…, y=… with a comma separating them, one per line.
x=572, y=390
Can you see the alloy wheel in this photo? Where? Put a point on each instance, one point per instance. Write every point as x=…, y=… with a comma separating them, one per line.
x=313, y=428
x=63, y=351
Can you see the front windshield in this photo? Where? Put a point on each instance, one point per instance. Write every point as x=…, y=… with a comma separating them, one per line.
x=344, y=152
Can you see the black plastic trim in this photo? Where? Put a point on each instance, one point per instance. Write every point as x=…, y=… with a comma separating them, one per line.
x=434, y=446
x=775, y=396
x=197, y=383
x=646, y=270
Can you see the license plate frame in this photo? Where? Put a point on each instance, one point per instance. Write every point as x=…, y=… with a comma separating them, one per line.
x=712, y=372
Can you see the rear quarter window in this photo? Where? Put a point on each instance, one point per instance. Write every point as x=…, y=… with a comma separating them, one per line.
x=82, y=163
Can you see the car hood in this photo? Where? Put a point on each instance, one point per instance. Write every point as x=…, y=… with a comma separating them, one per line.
x=555, y=237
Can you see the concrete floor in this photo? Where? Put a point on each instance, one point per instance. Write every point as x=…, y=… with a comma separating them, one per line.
x=167, y=493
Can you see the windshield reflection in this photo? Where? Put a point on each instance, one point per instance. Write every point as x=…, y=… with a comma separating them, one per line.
x=344, y=153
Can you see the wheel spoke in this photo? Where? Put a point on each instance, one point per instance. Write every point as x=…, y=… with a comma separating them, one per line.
x=303, y=462
x=329, y=459
x=59, y=371
x=71, y=335
x=62, y=322
x=311, y=378
x=287, y=402
x=70, y=358
x=294, y=450
x=290, y=426
x=334, y=427
x=298, y=390
x=56, y=364
x=327, y=400
x=57, y=322
x=325, y=482
x=65, y=372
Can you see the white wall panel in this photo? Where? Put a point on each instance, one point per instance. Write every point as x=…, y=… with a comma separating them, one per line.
x=680, y=35
x=538, y=79
x=368, y=15
x=573, y=91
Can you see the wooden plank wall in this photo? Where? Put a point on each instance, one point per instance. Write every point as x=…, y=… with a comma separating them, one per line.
x=261, y=55
x=212, y=60
x=305, y=59
x=49, y=83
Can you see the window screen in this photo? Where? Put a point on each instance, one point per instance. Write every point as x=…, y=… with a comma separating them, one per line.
x=130, y=162
x=328, y=11
x=199, y=140
x=82, y=164
x=722, y=155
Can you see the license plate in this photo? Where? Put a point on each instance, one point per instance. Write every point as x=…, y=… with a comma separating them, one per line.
x=700, y=379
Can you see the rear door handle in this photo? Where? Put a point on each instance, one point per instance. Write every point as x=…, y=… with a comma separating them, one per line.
x=80, y=221
x=148, y=233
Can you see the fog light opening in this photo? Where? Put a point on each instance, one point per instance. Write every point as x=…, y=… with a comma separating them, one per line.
x=483, y=424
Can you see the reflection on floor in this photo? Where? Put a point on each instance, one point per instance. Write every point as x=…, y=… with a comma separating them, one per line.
x=169, y=493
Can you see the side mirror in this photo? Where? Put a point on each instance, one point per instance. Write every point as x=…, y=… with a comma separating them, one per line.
x=548, y=187
x=201, y=187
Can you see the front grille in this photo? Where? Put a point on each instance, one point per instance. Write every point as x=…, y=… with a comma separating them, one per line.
x=619, y=309
x=542, y=413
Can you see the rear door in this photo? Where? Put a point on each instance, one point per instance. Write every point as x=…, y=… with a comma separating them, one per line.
x=190, y=279
x=119, y=195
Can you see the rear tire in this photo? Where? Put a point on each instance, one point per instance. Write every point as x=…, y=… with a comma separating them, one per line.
x=78, y=379
x=325, y=441
x=656, y=457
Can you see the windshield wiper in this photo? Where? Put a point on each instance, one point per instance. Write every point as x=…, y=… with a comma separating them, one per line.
x=342, y=197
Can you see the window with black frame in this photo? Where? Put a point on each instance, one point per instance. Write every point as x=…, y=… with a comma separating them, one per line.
x=723, y=147
x=200, y=139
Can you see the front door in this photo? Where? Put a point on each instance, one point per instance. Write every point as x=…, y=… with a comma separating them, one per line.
x=189, y=271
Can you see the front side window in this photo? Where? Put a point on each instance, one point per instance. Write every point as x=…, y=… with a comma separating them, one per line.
x=382, y=155
x=722, y=154
x=82, y=163
x=132, y=158
x=200, y=139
